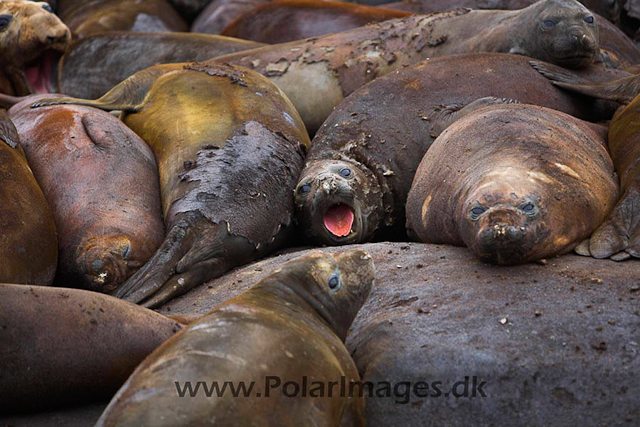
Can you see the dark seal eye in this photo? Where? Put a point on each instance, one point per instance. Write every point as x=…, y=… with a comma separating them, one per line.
x=4, y=21
x=476, y=212
x=528, y=208
x=548, y=24
x=47, y=8
x=589, y=20
x=345, y=172
x=334, y=282
x=304, y=189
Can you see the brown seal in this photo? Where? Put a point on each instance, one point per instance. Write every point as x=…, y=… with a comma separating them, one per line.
x=290, y=326
x=283, y=21
x=316, y=74
x=30, y=37
x=69, y=346
x=362, y=161
x=99, y=16
x=101, y=181
x=28, y=247
x=514, y=183
x=230, y=147
x=95, y=64
x=619, y=236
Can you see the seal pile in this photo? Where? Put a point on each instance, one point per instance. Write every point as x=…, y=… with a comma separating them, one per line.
x=150, y=147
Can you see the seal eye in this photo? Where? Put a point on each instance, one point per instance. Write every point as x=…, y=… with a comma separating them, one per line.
x=334, y=282
x=4, y=21
x=346, y=173
x=304, y=189
x=548, y=24
x=528, y=209
x=47, y=8
x=477, y=211
x=589, y=20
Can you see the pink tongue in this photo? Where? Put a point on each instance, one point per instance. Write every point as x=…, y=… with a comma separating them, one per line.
x=339, y=219
x=40, y=74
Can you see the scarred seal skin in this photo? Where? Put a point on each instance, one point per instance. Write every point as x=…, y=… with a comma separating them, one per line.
x=95, y=64
x=362, y=161
x=290, y=325
x=619, y=236
x=283, y=21
x=514, y=183
x=107, y=213
x=28, y=246
x=316, y=74
x=100, y=16
x=230, y=147
x=70, y=346
x=31, y=39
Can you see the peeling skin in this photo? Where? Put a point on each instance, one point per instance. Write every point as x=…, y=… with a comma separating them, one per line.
x=476, y=174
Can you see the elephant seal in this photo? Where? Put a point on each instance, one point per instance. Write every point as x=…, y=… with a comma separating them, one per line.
x=31, y=36
x=101, y=16
x=283, y=21
x=70, y=346
x=290, y=326
x=514, y=183
x=95, y=64
x=362, y=161
x=316, y=74
x=230, y=147
x=619, y=236
x=28, y=246
x=107, y=213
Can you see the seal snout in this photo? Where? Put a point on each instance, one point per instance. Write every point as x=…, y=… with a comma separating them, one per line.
x=106, y=262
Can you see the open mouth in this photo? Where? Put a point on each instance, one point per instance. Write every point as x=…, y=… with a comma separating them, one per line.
x=39, y=71
x=339, y=219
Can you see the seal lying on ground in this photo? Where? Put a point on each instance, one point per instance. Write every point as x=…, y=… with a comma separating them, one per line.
x=619, y=236
x=362, y=161
x=101, y=181
x=230, y=147
x=95, y=64
x=28, y=247
x=69, y=346
x=514, y=183
x=283, y=21
x=100, y=16
x=316, y=74
x=30, y=37
x=292, y=325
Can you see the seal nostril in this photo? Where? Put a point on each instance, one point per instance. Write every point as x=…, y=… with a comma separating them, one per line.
x=97, y=264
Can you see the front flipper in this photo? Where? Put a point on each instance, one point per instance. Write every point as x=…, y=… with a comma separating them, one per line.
x=618, y=237
x=128, y=95
x=443, y=116
x=8, y=132
x=622, y=90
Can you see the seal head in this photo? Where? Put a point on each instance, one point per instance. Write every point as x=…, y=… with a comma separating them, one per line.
x=337, y=202
x=335, y=286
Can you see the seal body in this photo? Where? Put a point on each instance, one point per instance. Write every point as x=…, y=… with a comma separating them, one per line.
x=28, y=246
x=31, y=37
x=290, y=325
x=514, y=183
x=363, y=159
x=95, y=64
x=316, y=74
x=101, y=16
x=69, y=346
x=283, y=21
x=229, y=147
x=101, y=181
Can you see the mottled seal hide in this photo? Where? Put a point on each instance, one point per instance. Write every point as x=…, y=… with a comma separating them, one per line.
x=514, y=183
x=31, y=36
x=28, y=246
x=230, y=147
x=291, y=325
x=101, y=181
x=362, y=161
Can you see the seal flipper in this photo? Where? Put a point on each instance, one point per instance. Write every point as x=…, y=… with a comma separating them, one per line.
x=128, y=95
x=442, y=116
x=622, y=90
x=8, y=131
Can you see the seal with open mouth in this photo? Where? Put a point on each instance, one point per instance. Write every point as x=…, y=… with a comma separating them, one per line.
x=32, y=38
